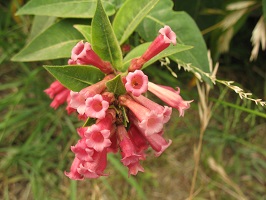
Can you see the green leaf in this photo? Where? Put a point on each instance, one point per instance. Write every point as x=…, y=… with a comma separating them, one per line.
x=39, y=24
x=55, y=42
x=185, y=28
x=117, y=3
x=76, y=77
x=104, y=41
x=264, y=9
x=64, y=8
x=85, y=30
x=89, y=122
x=139, y=50
x=116, y=86
x=128, y=17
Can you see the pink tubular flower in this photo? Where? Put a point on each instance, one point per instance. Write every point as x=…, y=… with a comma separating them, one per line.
x=160, y=43
x=170, y=96
x=78, y=99
x=60, y=98
x=136, y=82
x=95, y=168
x=134, y=168
x=114, y=143
x=55, y=88
x=165, y=110
x=97, y=138
x=81, y=131
x=82, y=54
x=82, y=151
x=58, y=93
x=158, y=143
x=130, y=157
x=74, y=174
x=107, y=122
x=96, y=107
x=149, y=121
x=137, y=138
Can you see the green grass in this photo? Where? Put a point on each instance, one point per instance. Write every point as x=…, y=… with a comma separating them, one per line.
x=35, y=141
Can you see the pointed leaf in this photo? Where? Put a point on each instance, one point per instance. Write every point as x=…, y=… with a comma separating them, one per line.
x=39, y=24
x=55, y=42
x=116, y=86
x=139, y=50
x=85, y=30
x=64, y=8
x=89, y=122
x=76, y=77
x=104, y=42
x=128, y=17
x=185, y=28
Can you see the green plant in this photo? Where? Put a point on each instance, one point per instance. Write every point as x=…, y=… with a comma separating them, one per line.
x=143, y=27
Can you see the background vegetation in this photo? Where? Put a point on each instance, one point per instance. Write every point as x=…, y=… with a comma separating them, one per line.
x=35, y=140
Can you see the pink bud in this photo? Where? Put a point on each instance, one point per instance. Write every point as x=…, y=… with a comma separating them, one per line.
x=58, y=93
x=60, y=98
x=170, y=96
x=136, y=82
x=55, y=88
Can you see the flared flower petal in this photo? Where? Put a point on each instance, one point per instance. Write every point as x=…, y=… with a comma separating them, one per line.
x=158, y=143
x=78, y=99
x=134, y=168
x=152, y=123
x=97, y=138
x=82, y=151
x=136, y=82
x=74, y=174
x=148, y=120
x=96, y=168
x=170, y=96
x=96, y=107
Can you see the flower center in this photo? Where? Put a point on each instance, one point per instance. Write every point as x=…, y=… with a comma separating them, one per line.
x=97, y=106
x=136, y=82
x=97, y=137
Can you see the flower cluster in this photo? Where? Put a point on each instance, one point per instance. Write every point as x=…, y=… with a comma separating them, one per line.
x=129, y=123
